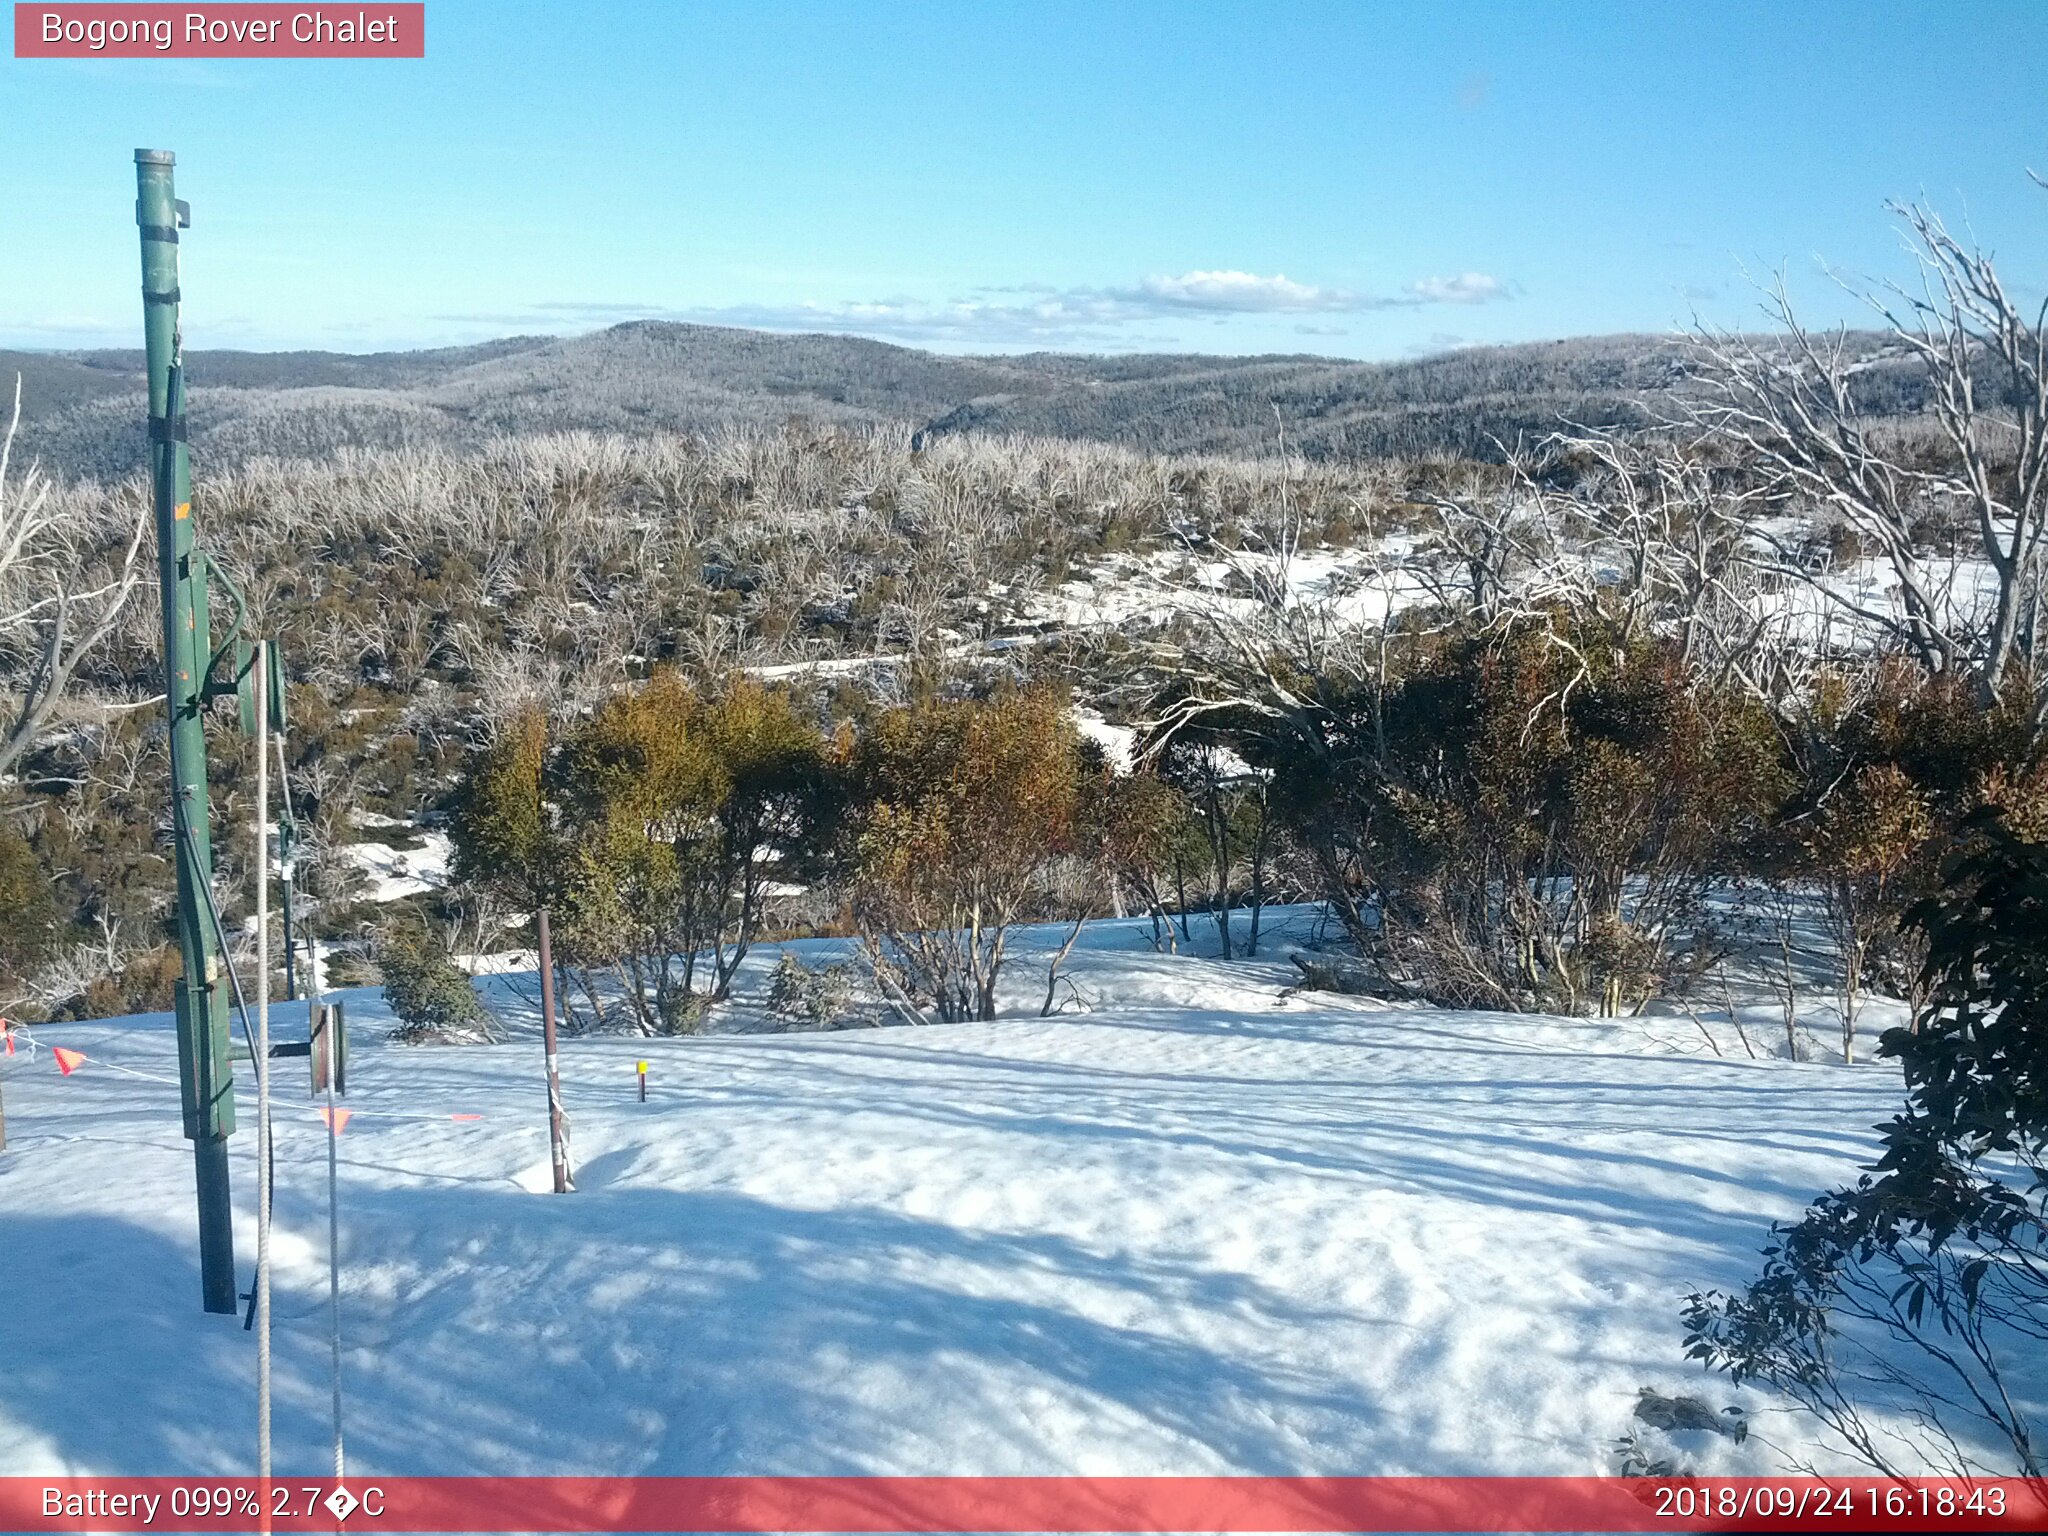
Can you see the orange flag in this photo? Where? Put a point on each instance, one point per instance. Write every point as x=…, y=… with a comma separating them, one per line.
x=7, y=1034
x=336, y=1118
x=68, y=1062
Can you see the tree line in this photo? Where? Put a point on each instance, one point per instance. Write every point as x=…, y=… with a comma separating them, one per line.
x=671, y=828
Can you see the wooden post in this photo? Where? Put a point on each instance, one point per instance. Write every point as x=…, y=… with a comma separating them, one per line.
x=317, y=1023
x=558, y=1132
x=328, y=1047
x=6, y=1044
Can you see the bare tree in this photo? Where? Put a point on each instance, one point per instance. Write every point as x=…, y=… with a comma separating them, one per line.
x=58, y=599
x=1801, y=408
x=1647, y=527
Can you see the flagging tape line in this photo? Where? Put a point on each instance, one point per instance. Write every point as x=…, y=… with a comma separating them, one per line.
x=69, y=1060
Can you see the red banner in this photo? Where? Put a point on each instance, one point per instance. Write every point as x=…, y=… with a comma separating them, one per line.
x=1019, y=1504
x=233, y=31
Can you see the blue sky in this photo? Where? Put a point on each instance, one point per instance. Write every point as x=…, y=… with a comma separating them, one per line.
x=1361, y=179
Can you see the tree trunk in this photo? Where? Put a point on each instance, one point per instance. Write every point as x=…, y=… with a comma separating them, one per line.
x=1852, y=985
x=1180, y=891
x=589, y=985
x=1219, y=846
x=1052, y=971
x=1259, y=846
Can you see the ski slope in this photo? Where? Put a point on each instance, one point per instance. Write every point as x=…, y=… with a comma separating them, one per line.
x=1203, y=1227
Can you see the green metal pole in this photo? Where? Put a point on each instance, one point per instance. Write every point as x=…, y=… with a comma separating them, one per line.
x=203, y=1071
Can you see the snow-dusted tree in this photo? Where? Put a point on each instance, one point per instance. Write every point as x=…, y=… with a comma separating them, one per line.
x=1798, y=407
x=65, y=577
x=1650, y=528
x=1230, y=801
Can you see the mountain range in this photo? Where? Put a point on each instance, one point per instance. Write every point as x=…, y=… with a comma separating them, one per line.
x=82, y=410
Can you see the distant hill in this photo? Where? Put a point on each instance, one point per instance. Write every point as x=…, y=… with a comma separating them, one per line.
x=82, y=409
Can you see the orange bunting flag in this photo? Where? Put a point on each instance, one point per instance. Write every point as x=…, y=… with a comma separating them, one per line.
x=68, y=1062
x=336, y=1119
x=7, y=1034
x=465, y=1117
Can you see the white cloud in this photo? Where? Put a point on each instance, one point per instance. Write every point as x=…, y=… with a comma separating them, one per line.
x=63, y=332
x=1040, y=315
x=1238, y=293
x=1465, y=288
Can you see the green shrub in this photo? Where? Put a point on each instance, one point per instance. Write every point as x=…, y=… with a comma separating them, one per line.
x=28, y=904
x=432, y=996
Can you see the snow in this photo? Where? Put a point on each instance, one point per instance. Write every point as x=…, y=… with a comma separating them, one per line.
x=1365, y=585
x=1204, y=1226
x=1119, y=743
x=395, y=872
x=1360, y=584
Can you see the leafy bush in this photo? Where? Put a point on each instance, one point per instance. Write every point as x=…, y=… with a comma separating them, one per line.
x=1533, y=814
x=432, y=996
x=656, y=832
x=28, y=905
x=962, y=811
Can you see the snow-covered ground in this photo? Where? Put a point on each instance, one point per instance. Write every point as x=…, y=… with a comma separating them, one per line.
x=1206, y=1226
x=391, y=871
x=1359, y=584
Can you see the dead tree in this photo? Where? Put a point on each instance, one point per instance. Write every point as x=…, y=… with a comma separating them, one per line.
x=1797, y=407
x=58, y=599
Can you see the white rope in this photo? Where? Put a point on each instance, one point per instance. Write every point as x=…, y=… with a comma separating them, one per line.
x=260, y=1049
x=326, y=1044
x=259, y=685
x=334, y=1268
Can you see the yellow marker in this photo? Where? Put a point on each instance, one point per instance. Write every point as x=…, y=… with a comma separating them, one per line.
x=184, y=509
x=642, y=1066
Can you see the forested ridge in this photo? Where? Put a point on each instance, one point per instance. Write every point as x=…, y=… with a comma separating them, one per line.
x=660, y=376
